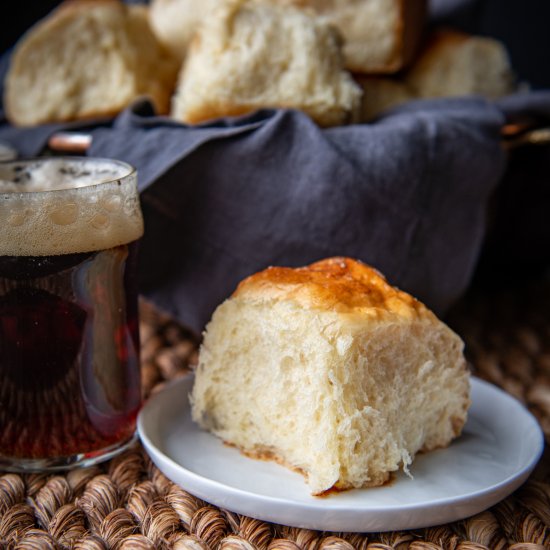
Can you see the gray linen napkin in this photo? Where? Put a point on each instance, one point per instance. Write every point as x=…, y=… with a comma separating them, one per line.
x=407, y=194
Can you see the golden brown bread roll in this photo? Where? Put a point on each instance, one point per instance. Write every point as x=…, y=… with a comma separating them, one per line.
x=331, y=371
x=380, y=36
x=88, y=58
x=451, y=63
x=252, y=54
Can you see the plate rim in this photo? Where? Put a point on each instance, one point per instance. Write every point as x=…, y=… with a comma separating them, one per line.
x=476, y=501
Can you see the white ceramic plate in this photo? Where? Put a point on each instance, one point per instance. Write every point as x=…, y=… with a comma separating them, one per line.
x=7, y=152
x=499, y=447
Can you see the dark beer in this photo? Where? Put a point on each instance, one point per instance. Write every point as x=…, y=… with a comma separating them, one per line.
x=69, y=343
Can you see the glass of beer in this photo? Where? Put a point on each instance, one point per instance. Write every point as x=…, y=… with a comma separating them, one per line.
x=69, y=342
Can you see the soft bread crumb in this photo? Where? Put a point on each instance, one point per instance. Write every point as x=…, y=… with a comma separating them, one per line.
x=251, y=54
x=331, y=371
x=380, y=36
x=175, y=21
x=88, y=58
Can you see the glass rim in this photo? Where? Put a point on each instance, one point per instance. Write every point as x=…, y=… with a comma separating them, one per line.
x=131, y=173
x=94, y=202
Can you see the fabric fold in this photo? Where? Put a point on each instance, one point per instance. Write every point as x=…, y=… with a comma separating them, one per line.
x=407, y=194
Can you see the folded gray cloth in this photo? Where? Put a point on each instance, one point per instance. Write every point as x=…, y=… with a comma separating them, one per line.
x=407, y=194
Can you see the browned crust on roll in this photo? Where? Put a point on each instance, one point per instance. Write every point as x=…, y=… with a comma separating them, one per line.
x=342, y=283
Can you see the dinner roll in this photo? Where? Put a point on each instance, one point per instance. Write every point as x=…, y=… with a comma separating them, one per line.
x=88, y=58
x=381, y=36
x=251, y=54
x=331, y=371
x=454, y=63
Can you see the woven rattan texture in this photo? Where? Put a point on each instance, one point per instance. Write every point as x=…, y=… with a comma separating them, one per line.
x=128, y=504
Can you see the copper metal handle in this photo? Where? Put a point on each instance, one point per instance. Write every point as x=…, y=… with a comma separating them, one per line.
x=70, y=142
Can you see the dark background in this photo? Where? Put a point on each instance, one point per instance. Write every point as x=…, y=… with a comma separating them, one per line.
x=12, y=26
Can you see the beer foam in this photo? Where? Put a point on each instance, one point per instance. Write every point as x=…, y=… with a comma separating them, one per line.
x=65, y=206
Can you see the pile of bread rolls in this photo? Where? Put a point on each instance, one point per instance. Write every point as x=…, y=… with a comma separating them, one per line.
x=339, y=61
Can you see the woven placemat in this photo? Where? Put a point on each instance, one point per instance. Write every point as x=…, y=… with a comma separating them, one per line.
x=127, y=503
